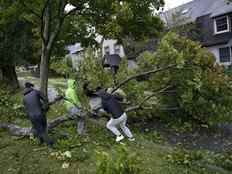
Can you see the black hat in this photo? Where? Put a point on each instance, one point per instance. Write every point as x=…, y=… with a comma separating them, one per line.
x=28, y=85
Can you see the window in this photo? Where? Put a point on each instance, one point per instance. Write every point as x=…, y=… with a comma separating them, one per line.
x=107, y=50
x=116, y=49
x=225, y=54
x=221, y=24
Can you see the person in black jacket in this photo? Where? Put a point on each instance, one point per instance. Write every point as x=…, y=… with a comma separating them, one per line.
x=36, y=106
x=110, y=103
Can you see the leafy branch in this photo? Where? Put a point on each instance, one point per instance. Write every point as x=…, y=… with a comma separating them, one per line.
x=142, y=75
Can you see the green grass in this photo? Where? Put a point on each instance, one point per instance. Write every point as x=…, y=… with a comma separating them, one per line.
x=52, y=82
x=24, y=155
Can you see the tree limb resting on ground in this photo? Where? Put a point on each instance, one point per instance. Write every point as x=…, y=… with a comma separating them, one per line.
x=16, y=130
x=27, y=131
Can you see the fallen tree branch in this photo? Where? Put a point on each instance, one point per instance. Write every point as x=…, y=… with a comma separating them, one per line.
x=139, y=106
x=16, y=130
x=27, y=131
x=141, y=75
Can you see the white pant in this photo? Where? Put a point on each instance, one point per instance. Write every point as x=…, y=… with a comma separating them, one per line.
x=121, y=121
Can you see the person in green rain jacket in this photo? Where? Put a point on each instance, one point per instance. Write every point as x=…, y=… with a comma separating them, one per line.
x=73, y=105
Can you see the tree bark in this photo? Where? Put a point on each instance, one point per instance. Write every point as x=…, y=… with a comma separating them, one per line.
x=1, y=75
x=45, y=55
x=8, y=75
x=101, y=50
x=49, y=36
x=16, y=130
x=44, y=66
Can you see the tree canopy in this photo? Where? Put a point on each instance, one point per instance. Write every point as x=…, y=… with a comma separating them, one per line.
x=16, y=41
x=109, y=18
x=177, y=80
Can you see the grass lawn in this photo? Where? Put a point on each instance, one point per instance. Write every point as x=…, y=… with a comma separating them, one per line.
x=25, y=156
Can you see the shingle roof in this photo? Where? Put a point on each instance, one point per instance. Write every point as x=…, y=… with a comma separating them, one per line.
x=220, y=7
x=196, y=8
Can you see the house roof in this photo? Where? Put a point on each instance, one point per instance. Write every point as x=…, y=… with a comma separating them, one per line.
x=197, y=8
x=220, y=7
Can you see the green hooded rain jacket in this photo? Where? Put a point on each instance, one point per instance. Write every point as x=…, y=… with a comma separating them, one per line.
x=72, y=99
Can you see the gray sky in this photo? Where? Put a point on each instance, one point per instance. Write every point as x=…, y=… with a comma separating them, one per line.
x=168, y=4
x=174, y=3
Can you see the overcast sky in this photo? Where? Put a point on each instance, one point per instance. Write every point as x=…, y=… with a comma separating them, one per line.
x=174, y=3
x=168, y=4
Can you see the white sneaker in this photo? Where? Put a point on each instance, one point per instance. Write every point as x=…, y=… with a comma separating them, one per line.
x=119, y=138
x=131, y=139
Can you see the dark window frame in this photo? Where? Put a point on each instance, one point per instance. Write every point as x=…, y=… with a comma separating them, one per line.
x=218, y=25
x=225, y=57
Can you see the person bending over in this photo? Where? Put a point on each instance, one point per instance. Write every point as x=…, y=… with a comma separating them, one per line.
x=110, y=103
x=36, y=106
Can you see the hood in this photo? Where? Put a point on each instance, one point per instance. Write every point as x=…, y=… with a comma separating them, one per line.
x=71, y=83
x=27, y=91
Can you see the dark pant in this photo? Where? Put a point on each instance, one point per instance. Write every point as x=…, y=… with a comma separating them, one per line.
x=77, y=114
x=39, y=126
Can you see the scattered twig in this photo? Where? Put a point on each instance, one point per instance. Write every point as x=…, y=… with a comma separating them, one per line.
x=39, y=149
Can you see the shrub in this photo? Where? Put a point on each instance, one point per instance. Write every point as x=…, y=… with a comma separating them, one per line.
x=123, y=162
x=10, y=108
x=198, y=90
x=184, y=157
x=91, y=70
x=202, y=91
x=62, y=66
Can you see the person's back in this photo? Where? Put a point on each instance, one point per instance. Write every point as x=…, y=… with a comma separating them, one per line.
x=32, y=102
x=111, y=105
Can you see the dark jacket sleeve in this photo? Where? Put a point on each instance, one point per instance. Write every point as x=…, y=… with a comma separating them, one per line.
x=104, y=106
x=24, y=107
x=118, y=97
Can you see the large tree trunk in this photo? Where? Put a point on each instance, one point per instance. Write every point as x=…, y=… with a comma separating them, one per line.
x=44, y=66
x=101, y=49
x=45, y=55
x=9, y=76
x=49, y=35
x=1, y=75
x=26, y=131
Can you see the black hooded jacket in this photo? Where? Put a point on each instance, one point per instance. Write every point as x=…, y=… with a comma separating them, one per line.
x=111, y=104
x=33, y=102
